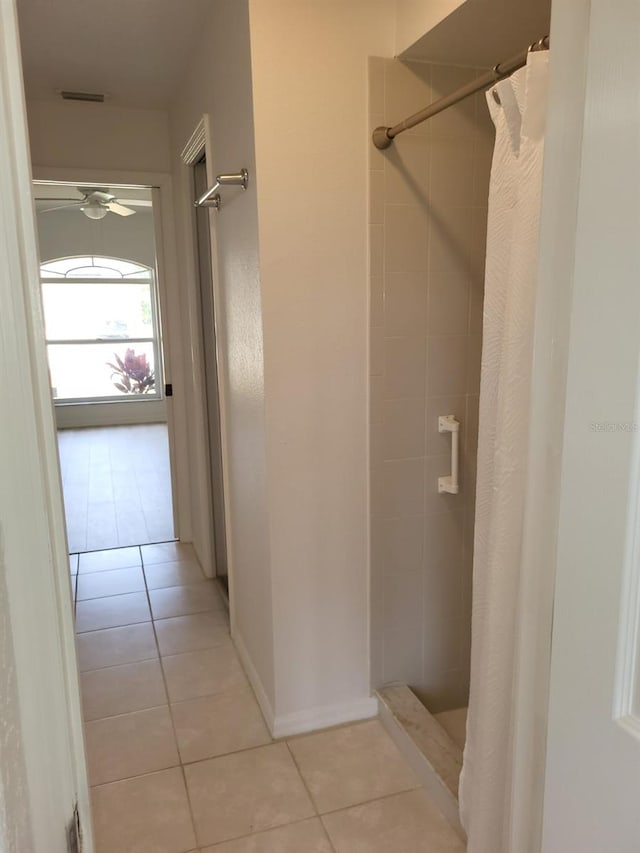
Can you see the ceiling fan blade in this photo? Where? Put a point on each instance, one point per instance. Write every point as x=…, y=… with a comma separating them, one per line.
x=120, y=209
x=60, y=206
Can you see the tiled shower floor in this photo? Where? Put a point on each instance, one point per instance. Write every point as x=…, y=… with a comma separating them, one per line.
x=179, y=756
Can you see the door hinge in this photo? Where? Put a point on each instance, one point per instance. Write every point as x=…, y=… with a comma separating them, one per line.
x=168, y=390
x=74, y=835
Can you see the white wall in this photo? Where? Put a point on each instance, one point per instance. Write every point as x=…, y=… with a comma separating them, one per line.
x=309, y=65
x=98, y=136
x=295, y=428
x=417, y=17
x=218, y=82
x=67, y=232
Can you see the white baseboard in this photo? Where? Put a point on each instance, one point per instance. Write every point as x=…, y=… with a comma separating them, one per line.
x=324, y=716
x=111, y=414
x=254, y=679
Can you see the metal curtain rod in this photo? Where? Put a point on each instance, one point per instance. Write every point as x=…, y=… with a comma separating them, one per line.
x=384, y=136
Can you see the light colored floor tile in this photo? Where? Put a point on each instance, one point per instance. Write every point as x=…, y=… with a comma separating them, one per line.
x=116, y=558
x=117, y=486
x=351, y=765
x=308, y=836
x=130, y=745
x=116, y=582
x=192, y=633
x=455, y=724
x=203, y=673
x=149, y=814
x=245, y=792
x=113, y=646
x=120, y=689
x=73, y=564
x=112, y=612
x=167, y=552
x=408, y=822
x=216, y=725
x=161, y=575
x=184, y=600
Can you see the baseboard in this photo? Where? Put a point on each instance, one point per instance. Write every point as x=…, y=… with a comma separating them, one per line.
x=254, y=680
x=111, y=414
x=324, y=716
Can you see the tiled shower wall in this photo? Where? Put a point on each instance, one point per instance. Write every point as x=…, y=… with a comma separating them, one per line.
x=428, y=211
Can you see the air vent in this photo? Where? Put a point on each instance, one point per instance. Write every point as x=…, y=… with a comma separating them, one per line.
x=83, y=96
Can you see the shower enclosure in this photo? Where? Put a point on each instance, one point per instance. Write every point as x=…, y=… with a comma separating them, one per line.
x=428, y=213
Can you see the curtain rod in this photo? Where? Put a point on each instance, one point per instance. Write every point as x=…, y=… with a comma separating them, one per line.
x=384, y=136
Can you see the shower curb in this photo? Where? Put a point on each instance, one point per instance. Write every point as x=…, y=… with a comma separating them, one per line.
x=434, y=756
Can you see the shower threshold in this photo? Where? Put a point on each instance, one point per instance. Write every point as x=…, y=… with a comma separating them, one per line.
x=432, y=744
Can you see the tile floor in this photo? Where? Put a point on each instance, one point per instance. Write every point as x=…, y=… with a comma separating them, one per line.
x=116, y=483
x=180, y=760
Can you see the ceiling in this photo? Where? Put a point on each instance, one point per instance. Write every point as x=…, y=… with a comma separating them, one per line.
x=134, y=50
x=484, y=32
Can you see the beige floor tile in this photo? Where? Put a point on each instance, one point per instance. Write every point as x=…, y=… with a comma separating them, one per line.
x=183, y=600
x=161, y=575
x=408, y=822
x=130, y=745
x=113, y=646
x=216, y=725
x=202, y=673
x=167, y=552
x=115, y=582
x=116, y=558
x=192, y=633
x=245, y=792
x=120, y=689
x=308, y=836
x=73, y=564
x=112, y=612
x=350, y=765
x=149, y=814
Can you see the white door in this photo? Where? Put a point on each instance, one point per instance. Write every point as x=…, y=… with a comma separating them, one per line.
x=592, y=785
x=42, y=768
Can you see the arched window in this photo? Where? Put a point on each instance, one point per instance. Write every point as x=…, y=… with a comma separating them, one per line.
x=101, y=329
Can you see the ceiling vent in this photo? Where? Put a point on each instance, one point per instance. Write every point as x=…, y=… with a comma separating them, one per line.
x=83, y=96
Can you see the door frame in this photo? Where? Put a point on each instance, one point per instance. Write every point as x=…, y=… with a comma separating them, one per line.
x=173, y=346
x=198, y=145
x=34, y=563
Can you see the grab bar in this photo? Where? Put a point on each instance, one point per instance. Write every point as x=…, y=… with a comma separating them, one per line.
x=211, y=198
x=449, y=423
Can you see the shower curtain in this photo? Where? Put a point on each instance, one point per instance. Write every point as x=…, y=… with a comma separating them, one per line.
x=518, y=110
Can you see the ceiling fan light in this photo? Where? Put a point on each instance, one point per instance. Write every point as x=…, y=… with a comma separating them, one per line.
x=94, y=211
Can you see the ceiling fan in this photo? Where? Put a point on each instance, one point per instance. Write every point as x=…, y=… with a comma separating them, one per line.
x=97, y=202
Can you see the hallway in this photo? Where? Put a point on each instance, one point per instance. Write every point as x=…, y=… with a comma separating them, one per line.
x=179, y=756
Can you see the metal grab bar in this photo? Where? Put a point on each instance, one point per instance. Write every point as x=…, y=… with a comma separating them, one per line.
x=211, y=198
x=449, y=423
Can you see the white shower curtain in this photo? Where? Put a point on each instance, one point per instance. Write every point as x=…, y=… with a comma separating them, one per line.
x=518, y=110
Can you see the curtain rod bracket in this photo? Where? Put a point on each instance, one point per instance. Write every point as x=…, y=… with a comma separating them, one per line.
x=381, y=138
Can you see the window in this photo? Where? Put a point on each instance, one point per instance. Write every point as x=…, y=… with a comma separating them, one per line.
x=101, y=330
